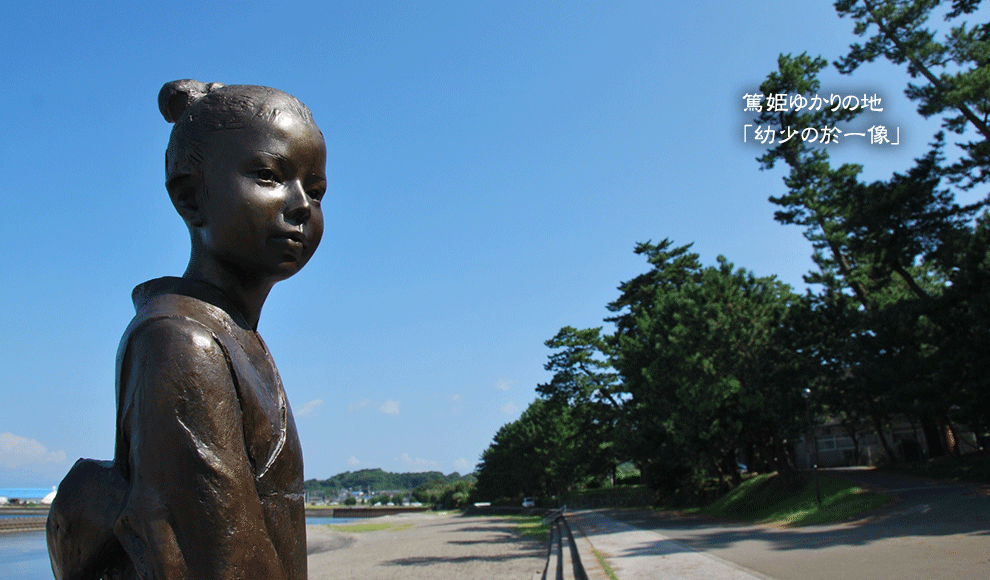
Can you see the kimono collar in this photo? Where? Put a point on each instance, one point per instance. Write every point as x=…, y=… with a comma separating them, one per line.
x=199, y=290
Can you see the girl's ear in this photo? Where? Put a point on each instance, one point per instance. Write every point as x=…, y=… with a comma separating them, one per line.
x=185, y=192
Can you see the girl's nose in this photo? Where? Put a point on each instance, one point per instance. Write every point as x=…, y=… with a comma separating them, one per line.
x=298, y=208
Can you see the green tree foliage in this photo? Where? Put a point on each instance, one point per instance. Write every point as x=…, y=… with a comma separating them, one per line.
x=951, y=70
x=707, y=360
x=910, y=255
x=538, y=454
x=373, y=480
x=543, y=453
x=584, y=382
x=457, y=495
x=447, y=494
x=702, y=364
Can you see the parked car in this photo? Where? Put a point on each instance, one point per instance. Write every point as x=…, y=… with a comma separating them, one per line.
x=529, y=502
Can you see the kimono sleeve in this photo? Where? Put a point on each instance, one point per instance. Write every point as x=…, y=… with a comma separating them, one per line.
x=192, y=509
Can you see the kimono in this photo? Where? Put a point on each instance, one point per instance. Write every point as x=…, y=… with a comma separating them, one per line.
x=207, y=476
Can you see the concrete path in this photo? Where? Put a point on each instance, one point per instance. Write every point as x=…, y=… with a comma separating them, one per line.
x=932, y=530
x=637, y=554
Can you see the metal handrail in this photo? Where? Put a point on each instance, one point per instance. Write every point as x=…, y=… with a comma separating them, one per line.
x=555, y=539
x=579, y=573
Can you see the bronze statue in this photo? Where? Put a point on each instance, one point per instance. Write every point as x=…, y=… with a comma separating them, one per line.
x=207, y=476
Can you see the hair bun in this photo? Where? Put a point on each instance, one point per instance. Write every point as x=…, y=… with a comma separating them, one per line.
x=176, y=96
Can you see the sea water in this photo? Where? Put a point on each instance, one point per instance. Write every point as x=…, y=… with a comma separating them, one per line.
x=24, y=555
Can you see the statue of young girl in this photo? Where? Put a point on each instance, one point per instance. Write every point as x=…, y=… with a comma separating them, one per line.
x=207, y=476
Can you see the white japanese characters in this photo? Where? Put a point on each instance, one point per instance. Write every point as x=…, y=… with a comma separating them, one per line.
x=783, y=103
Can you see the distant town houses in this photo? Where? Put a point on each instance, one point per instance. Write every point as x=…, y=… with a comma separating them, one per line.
x=392, y=497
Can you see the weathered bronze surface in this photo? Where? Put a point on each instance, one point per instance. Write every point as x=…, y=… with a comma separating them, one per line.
x=207, y=476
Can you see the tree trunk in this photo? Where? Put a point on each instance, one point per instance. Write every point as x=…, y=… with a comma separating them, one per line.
x=878, y=426
x=776, y=455
x=933, y=436
x=732, y=466
x=850, y=427
x=951, y=437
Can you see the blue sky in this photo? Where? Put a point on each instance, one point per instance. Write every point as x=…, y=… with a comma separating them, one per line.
x=491, y=166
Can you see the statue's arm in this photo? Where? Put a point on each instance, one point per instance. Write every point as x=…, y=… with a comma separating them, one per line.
x=192, y=510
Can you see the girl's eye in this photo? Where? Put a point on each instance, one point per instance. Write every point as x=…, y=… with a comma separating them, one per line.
x=266, y=175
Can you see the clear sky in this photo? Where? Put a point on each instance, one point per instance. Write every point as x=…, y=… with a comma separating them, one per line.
x=491, y=166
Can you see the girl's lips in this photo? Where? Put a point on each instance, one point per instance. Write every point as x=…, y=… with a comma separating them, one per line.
x=292, y=237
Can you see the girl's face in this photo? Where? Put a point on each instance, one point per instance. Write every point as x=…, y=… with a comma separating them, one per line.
x=260, y=198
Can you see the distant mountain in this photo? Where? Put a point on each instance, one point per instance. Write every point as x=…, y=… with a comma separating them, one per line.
x=378, y=480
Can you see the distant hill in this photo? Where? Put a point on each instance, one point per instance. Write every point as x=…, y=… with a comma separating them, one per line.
x=378, y=480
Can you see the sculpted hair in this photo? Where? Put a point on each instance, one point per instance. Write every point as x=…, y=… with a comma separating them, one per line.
x=198, y=109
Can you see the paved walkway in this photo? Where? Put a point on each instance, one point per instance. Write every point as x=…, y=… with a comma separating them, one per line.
x=426, y=546
x=637, y=554
x=931, y=530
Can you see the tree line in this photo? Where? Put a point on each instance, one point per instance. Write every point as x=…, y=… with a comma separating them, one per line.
x=375, y=480
x=705, y=367
x=431, y=488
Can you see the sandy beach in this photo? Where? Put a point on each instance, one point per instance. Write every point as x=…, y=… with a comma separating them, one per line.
x=424, y=546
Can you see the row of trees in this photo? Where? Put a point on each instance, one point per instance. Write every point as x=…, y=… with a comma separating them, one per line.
x=702, y=363
x=427, y=487
x=445, y=493
x=707, y=361
x=902, y=280
x=372, y=480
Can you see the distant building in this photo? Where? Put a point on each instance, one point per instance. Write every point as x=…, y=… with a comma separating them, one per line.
x=26, y=495
x=836, y=447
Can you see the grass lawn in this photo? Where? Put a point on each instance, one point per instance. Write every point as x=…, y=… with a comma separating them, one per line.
x=530, y=526
x=766, y=499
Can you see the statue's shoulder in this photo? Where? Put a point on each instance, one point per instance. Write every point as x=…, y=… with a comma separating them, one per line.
x=178, y=312
x=175, y=336
x=173, y=364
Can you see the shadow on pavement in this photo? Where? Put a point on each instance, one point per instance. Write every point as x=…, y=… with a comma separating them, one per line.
x=921, y=508
x=432, y=560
